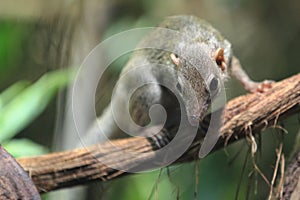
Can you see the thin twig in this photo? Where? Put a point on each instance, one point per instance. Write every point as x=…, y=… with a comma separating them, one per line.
x=281, y=181
x=278, y=154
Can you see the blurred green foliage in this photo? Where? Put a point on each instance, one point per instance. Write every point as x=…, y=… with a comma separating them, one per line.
x=24, y=147
x=12, y=38
x=21, y=104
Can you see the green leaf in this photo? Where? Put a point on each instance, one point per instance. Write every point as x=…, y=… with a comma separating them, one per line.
x=8, y=94
x=24, y=147
x=26, y=106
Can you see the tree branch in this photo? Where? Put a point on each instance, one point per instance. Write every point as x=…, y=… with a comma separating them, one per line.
x=243, y=115
x=14, y=181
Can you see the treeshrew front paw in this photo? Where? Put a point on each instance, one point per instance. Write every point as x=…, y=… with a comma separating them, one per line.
x=260, y=86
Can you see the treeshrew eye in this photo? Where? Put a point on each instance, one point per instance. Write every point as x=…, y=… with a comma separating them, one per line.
x=175, y=58
x=213, y=85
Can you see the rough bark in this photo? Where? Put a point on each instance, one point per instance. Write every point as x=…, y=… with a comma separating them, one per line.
x=291, y=188
x=14, y=181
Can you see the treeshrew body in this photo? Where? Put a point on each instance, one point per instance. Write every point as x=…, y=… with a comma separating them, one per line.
x=184, y=61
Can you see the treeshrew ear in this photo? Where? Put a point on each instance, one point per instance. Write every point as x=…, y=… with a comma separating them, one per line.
x=175, y=58
x=220, y=59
